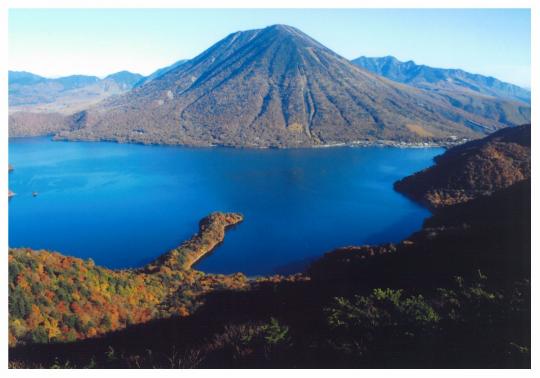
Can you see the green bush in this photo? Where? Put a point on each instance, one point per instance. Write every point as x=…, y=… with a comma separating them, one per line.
x=40, y=335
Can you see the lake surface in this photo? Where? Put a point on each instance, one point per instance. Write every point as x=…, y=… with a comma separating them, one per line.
x=123, y=205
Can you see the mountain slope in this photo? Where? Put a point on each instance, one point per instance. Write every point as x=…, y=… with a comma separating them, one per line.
x=275, y=87
x=29, y=124
x=159, y=72
x=431, y=78
x=473, y=169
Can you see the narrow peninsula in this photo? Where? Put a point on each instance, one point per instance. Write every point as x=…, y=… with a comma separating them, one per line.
x=211, y=233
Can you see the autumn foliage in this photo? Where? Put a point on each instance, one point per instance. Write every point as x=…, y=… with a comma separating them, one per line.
x=59, y=298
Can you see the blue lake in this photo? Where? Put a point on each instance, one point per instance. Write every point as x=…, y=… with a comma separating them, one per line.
x=123, y=205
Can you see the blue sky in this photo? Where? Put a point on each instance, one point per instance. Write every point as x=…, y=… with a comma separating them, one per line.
x=59, y=42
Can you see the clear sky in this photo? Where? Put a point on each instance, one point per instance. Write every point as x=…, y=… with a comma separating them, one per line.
x=98, y=42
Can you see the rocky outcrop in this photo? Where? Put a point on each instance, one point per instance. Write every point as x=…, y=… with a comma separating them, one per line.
x=473, y=169
x=10, y=193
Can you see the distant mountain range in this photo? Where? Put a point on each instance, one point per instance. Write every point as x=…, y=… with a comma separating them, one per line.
x=28, y=90
x=65, y=94
x=277, y=87
x=441, y=79
x=31, y=92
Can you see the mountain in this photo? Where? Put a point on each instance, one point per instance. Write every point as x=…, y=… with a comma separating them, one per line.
x=74, y=81
x=21, y=78
x=36, y=94
x=437, y=79
x=278, y=87
x=473, y=169
x=125, y=79
x=26, y=88
x=24, y=78
x=158, y=73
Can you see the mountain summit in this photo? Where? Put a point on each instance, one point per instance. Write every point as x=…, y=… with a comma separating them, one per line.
x=274, y=87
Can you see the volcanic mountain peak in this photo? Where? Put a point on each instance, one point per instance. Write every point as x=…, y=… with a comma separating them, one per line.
x=286, y=32
x=278, y=32
x=248, y=50
x=278, y=87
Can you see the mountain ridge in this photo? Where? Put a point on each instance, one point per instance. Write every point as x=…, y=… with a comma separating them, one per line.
x=427, y=77
x=33, y=93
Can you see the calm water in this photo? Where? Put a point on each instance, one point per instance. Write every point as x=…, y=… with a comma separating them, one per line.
x=123, y=205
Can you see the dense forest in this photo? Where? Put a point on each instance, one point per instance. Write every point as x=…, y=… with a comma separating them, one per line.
x=454, y=294
x=59, y=298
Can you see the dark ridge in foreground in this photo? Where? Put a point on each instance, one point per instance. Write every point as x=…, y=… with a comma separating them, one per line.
x=491, y=233
x=473, y=169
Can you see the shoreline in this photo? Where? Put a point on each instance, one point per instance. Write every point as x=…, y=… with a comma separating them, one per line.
x=382, y=143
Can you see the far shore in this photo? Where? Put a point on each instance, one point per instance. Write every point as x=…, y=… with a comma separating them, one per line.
x=361, y=143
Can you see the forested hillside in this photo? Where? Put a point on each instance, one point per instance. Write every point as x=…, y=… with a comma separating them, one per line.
x=473, y=169
x=59, y=298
